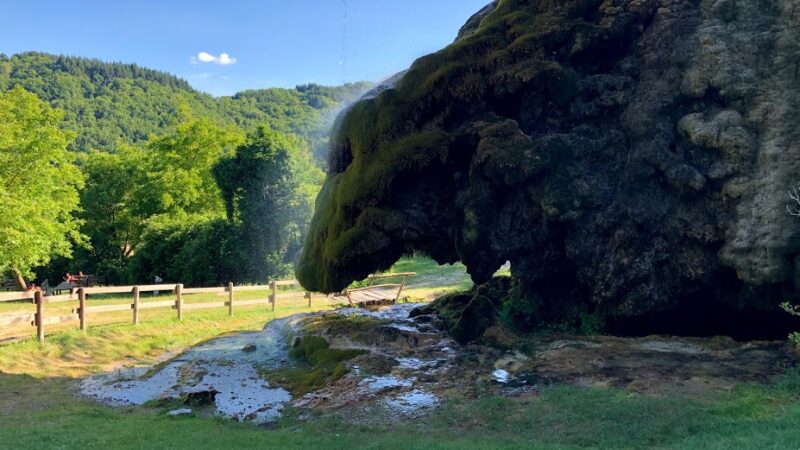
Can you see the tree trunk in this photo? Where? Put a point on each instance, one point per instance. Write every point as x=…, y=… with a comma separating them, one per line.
x=17, y=275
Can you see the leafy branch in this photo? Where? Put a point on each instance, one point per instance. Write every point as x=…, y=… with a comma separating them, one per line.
x=791, y=309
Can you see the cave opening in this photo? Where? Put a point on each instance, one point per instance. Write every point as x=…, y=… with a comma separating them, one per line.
x=695, y=316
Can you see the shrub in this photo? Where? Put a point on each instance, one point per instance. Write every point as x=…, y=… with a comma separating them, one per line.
x=202, y=254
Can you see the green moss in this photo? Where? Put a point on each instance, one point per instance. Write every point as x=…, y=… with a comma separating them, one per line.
x=470, y=313
x=320, y=365
x=336, y=325
x=415, y=131
x=316, y=351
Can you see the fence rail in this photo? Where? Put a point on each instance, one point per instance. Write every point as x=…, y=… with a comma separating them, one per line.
x=82, y=312
x=126, y=289
x=366, y=295
x=15, y=296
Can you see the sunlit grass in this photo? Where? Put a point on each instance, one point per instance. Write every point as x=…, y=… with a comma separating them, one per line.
x=74, y=353
x=38, y=407
x=42, y=413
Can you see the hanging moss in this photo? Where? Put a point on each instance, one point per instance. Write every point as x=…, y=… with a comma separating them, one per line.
x=406, y=134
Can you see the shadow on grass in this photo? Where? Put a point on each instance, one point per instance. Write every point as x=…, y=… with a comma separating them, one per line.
x=45, y=413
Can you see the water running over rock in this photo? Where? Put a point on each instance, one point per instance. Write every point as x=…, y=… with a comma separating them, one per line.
x=220, y=366
x=233, y=370
x=396, y=367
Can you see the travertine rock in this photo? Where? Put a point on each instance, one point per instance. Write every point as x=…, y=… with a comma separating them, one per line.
x=629, y=157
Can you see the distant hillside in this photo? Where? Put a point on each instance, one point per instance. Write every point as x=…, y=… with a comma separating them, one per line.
x=111, y=103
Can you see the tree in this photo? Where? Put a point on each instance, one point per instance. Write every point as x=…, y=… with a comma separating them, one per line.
x=146, y=143
x=112, y=180
x=39, y=184
x=110, y=104
x=175, y=176
x=196, y=254
x=164, y=185
x=266, y=188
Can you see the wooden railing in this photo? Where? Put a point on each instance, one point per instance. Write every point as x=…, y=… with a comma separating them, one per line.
x=378, y=293
x=40, y=319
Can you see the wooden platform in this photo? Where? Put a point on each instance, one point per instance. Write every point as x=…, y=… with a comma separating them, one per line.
x=378, y=294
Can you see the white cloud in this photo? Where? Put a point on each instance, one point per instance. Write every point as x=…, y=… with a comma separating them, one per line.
x=225, y=59
x=205, y=57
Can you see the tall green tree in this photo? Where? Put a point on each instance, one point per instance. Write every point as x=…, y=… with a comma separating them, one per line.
x=108, y=200
x=39, y=184
x=138, y=192
x=267, y=186
x=175, y=177
x=266, y=191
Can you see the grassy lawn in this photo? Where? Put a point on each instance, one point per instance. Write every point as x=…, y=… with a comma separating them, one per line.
x=433, y=280
x=38, y=408
x=41, y=413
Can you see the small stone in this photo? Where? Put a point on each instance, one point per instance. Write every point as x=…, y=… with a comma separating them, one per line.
x=501, y=376
x=201, y=398
x=180, y=412
x=685, y=176
x=719, y=170
x=427, y=377
x=249, y=348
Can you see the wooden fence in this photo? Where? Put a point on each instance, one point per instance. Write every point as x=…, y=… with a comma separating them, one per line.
x=81, y=314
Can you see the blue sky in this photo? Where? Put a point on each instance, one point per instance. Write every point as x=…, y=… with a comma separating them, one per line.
x=268, y=43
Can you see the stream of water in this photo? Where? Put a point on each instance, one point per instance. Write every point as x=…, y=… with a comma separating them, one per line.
x=228, y=367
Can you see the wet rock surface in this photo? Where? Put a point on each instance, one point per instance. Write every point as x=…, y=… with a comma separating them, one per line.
x=656, y=364
x=630, y=158
x=409, y=367
x=215, y=374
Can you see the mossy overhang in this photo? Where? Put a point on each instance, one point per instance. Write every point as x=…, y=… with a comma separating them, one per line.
x=399, y=159
x=628, y=157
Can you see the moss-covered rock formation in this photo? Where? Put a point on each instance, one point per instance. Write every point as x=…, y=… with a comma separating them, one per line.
x=629, y=157
x=321, y=364
x=467, y=315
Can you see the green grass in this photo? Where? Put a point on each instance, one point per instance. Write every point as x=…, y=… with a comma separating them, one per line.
x=39, y=410
x=73, y=353
x=433, y=280
x=40, y=413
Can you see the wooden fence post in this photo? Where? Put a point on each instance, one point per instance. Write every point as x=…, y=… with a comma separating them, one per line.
x=179, y=300
x=39, y=299
x=136, y=305
x=82, y=308
x=400, y=290
x=230, y=299
x=274, y=286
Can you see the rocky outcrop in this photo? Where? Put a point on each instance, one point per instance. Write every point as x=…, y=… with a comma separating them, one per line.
x=629, y=157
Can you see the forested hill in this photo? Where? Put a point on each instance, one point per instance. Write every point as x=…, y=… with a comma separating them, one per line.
x=108, y=104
